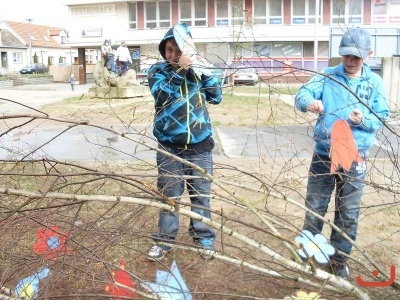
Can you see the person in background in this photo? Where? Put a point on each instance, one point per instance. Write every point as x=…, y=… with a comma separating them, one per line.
x=182, y=127
x=123, y=56
x=330, y=95
x=72, y=81
x=112, y=64
x=106, y=51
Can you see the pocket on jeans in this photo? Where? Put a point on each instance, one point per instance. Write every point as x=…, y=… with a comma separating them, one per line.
x=205, y=155
x=356, y=176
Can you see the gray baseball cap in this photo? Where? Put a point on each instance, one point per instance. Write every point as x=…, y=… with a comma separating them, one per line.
x=357, y=42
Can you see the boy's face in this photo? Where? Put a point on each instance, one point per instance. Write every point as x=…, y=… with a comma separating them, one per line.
x=352, y=64
x=172, y=52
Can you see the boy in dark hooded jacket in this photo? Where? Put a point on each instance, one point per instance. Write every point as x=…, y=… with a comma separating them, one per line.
x=182, y=127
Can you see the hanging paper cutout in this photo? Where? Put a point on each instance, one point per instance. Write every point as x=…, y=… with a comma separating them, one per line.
x=343, y=147
x=314, y=246
x=185, y=43
x=29, y=287
x=169, y=285
x=121, y=277
x=52, y=242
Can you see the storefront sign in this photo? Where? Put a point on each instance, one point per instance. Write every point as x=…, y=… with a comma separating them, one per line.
x=91, y=32
x=92, y=10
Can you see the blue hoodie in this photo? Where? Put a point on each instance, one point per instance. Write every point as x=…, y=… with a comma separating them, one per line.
x=339, y=103
x=181, y=115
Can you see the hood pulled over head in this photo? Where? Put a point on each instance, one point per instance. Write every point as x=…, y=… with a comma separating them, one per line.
x=169, y=35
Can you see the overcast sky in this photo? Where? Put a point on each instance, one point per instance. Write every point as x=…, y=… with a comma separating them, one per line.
x=43, y=12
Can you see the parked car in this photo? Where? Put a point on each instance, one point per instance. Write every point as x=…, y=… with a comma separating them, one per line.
x=245, y=76
x=141, y=76
x=34, y=68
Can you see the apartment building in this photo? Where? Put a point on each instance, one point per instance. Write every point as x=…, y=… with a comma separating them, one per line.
x=269, y=34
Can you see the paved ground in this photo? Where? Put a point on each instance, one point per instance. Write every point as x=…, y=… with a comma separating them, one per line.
x=231, y=142
x=38, y=95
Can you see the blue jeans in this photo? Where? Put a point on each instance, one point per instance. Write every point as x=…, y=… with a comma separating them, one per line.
x=349, y=189
x=172, y=184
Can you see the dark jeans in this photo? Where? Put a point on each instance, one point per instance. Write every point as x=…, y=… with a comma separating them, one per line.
x=349, y=189
x=124, y=66
x=172, y=184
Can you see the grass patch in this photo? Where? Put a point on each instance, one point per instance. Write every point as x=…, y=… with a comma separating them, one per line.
x=247, y=106
x=254, y=110
x=262, y=89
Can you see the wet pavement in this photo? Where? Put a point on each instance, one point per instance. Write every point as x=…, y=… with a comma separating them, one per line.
x=91, y=143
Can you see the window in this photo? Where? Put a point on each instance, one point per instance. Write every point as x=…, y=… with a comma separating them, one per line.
x=238, y=50
x=304, y=12
x=262, y=49
x=50, y=60
x=267, y=12
x=31, y=37
x=17, y=57
x=132, y=12
x=193, y=13
x=284, y=49
x=347, y=12
x=229, y=12
x=385, y=11
x=157, y=14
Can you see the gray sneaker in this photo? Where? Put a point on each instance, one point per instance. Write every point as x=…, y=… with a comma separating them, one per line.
x=156, y=253
x=341, y=270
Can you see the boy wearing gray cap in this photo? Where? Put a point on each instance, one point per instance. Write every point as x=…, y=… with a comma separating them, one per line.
x=349, y=93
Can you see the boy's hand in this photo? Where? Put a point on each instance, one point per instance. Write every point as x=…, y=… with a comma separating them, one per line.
x=316, y=107
x=356, y=116
x=185, y=59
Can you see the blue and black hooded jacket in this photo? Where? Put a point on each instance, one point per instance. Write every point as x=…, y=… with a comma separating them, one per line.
x=181, y=116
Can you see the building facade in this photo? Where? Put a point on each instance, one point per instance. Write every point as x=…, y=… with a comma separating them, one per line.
x=268, y=34
x=24, y=43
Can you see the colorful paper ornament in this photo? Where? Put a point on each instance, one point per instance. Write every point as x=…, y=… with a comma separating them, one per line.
x=169, y=285
x=52, y=243
x=122, y=277
x=343, y=147
x=29, y=286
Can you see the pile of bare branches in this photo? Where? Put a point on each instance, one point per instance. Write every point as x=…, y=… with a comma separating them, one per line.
x=104, y=211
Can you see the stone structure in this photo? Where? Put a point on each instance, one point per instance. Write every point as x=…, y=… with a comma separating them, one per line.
x=111, y=85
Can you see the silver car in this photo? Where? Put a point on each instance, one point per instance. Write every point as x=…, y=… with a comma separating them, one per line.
x=245, y=76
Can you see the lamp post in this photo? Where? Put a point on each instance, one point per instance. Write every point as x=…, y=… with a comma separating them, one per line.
x=41, y=54
x=30, y=41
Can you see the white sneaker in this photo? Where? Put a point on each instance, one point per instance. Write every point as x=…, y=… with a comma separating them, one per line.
x=156, y=253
